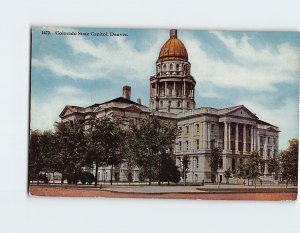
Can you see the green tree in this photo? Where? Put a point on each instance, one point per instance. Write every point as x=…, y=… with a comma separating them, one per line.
x=102, y=144
x=251, y=167
x=35, y=156
x=273, y=166
x=71, y=148
x=152, y=138
x=289, y=162
x=41, y=147
x=169, y=171
x=227, y=175
x=214, y=162
x=129, y=149
x=185, y=168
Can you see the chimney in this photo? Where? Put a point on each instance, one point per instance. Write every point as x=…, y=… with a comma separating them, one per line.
x=127, y=92
x=139, y=101
x=173, y=33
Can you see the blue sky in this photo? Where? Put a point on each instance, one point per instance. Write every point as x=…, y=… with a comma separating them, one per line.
x=257, y=69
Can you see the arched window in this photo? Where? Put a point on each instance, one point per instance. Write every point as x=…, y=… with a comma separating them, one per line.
x=161, y=103
x=177, y=67
x=188, y=104
x=164, y=67
x=178, y=104
x=171, y=66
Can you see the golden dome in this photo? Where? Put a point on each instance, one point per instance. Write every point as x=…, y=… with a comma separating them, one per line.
x=173, y=48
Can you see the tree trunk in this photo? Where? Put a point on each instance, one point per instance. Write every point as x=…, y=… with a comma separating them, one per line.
x=38, y=178
x=150, y=175
x=62, y=178
x=111, y=174
x=158, y=175
x=184, y=177
x=96, y=174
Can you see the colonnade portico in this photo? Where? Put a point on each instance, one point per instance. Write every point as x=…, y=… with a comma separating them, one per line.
x=232, y=141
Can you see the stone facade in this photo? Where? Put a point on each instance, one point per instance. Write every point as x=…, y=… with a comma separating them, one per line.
x=235, y=129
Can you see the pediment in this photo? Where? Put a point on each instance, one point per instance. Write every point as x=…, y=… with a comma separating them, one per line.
x=243, y=112
x=66, y=111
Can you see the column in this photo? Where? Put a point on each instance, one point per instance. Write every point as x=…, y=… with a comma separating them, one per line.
x=244, y=138
x=225, y=135
x=258, y=142
x=208, y=135
x=191, y=136
x=202, y=135
x=237, y=138
x=174, y=93
x=205, y=135
x=265, y=151
x=229, y=136
x=251, y=135
x=255, y=139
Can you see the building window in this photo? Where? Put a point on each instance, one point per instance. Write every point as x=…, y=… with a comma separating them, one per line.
x=261, y=152
x=187, y=145
x=221, y=163
x=177, y=67
x=212, y=128
x=169, y=103
x=180, y=146
x=188, y=104
x=269, y=140
x=164, y=67
x=196, y=162
x=161, y=103
x=171, y=66
x=197, y=144
x=269, y=152
x=187, y=129
x=197, y=128
x=178, y=104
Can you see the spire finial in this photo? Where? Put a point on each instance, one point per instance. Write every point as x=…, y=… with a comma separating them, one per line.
x=173, y=33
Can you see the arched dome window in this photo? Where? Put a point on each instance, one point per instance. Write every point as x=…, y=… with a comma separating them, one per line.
x=171, y=66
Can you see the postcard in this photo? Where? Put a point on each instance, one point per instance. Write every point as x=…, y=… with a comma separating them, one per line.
x=164, y=113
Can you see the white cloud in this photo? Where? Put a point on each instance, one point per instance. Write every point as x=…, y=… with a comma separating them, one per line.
x=58, y=67
x=45, y=111
x=257, y=70
x=117, y=57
